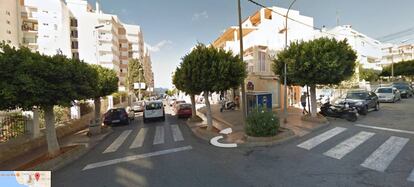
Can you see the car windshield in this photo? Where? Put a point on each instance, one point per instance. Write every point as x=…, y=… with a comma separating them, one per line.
x=401, y=87
x=185, y=106
x=356, y=95
x=153, y=106
x=384, y=90
x=116, y=111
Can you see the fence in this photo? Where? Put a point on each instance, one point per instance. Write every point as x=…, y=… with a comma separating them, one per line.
x=12, y=125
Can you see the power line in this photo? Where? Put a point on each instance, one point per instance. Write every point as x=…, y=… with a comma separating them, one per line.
x=396, y=35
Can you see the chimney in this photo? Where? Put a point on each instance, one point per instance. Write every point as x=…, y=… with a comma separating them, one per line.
x=97, y=10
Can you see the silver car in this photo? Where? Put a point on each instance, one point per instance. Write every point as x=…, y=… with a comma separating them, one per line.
x=388, y=94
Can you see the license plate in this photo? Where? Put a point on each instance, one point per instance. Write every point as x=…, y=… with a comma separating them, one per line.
x=381, y=96
x=116, y=121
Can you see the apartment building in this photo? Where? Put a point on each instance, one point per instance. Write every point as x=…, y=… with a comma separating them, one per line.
x=392, y=53
x=263, y=37
x=369, y=50
x=10, y=22
x=105, y=40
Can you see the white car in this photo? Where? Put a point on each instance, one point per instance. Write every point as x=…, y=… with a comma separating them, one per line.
x=154, y=110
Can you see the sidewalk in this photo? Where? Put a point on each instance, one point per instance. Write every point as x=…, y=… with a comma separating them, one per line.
x=233, y=119
x=78, y=138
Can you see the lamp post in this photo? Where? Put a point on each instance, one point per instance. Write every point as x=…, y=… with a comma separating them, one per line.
x=285, y=67
x=243, y=96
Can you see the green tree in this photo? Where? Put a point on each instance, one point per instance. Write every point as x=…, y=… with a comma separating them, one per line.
x=321, y=61
x=135, y=74
x=368, y=74
x=31, y=79
x=107, y=83
x=207, y=70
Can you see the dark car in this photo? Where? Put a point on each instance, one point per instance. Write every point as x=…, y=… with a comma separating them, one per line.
x=404, y=88
x=362, y=100
x=116, y=116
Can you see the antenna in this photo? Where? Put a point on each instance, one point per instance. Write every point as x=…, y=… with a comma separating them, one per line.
x=337, y=17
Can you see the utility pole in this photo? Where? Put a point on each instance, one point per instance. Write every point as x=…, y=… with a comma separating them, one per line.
x=285, y=113
x=243, y=96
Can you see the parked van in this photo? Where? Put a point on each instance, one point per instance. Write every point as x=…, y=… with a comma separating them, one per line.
x=154, y=110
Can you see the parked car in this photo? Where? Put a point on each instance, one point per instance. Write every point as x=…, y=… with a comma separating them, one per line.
x=405, y=89
x=388, y=94
x=117, y=116
x=154, y=110
x=362, y=100
x=184, y=110
x=138, y=106
x=176, y=103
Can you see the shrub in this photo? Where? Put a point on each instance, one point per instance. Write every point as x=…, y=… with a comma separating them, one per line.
x=262, y=123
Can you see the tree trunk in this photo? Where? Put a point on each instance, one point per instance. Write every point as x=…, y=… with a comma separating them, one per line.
x=97, y=103
x=52, y=142
x=193, y=106
x=209, y=119
x=313, y=100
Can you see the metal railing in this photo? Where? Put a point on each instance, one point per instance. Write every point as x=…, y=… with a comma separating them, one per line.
x=12, y=125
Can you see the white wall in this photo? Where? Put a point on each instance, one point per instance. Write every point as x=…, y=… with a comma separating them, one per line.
x=9, y=22
x=53, y=26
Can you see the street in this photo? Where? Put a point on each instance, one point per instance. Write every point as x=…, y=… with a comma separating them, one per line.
x=328, y=157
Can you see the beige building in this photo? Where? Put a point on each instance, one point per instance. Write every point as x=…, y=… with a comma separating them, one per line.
x=10, y=22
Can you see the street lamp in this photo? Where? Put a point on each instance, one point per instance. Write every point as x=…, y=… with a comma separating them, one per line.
x=285, y=67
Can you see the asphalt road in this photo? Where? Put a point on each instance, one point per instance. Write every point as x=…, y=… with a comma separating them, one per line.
x=343, y=154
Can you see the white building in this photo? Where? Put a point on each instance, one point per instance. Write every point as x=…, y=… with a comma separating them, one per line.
x=369, y=50
x=392, y=53
x=46, y=26
x=105, y=40
x=263, y=38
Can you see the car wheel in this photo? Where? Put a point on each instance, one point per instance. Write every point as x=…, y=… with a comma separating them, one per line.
x=377, y=107
x=364, y=111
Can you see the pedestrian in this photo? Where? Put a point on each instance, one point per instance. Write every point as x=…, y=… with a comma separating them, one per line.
x=303, y=102
x=236, y=100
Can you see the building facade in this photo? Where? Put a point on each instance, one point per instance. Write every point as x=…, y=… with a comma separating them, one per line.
x=10, y=22
x=368, y=50
x=392, y=53
x=263, y=37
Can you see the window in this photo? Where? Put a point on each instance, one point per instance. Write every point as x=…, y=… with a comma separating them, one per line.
x=262, y=61
x=75, y=55
x=56, y=27
x=45, y=24
x=8, y=22
x=73, y=22
x=74, y=45
x=74, y=33
x=7, y=13
x=8, y=32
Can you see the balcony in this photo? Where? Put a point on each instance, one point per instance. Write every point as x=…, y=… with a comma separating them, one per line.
x=29, y=27
x=30, y=41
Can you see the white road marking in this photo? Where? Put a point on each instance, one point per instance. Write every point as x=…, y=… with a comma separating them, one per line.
x=135, y=157
x=411, y=177
x=139, y=139
x=118, y=142
x=385, y=129
x=215, y=142
x=383, y=156
x=348, y=145
x=177, y=135
x=313, y=142
x=159, y=135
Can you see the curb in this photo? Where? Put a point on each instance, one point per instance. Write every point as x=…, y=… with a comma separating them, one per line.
x=70, y=156
x=290, y=135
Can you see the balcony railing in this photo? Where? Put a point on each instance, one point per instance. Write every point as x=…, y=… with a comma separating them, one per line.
x=29, y=40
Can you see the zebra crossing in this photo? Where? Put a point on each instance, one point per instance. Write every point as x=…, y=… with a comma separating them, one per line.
x=138, y=140
x=378, y=160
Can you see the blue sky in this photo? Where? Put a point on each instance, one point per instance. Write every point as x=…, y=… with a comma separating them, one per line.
x=172, y=27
